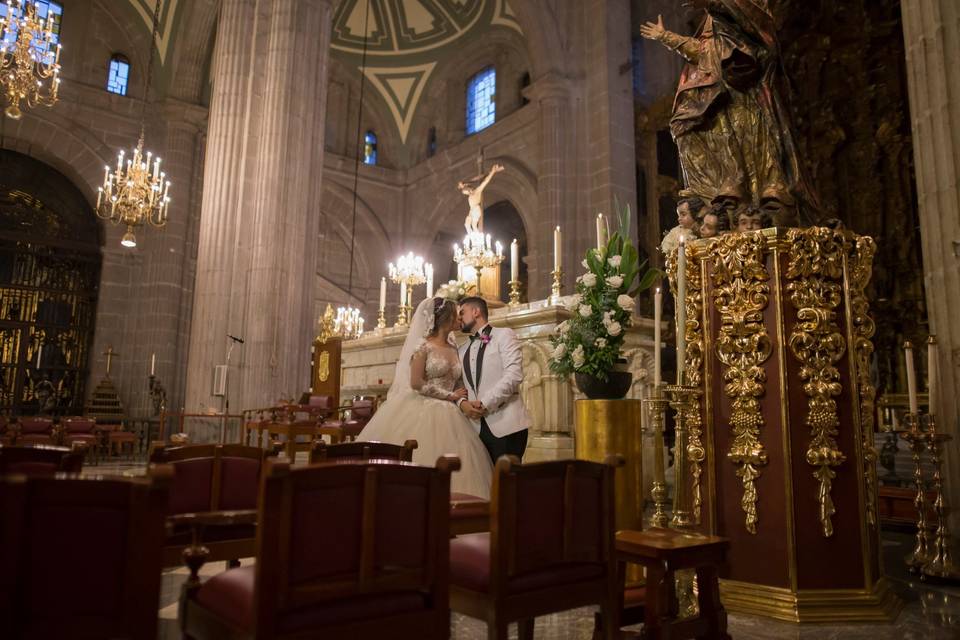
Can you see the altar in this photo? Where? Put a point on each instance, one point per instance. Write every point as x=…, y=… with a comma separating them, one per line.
x=368, y=367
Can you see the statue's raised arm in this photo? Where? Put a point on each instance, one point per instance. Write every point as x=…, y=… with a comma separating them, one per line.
x=731, y=117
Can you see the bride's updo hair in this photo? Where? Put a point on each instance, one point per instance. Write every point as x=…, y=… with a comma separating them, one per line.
x=443, y=311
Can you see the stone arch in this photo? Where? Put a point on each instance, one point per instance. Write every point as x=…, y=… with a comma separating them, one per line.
x=544, y=45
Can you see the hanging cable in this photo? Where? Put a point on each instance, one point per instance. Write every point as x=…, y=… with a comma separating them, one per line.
x=356, y=167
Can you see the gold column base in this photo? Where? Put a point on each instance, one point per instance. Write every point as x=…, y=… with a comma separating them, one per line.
x=814, y=605
x=602, y=427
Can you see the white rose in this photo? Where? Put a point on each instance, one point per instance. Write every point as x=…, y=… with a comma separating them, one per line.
x=578, y=357
x=614, y=329
x=585, y=264
x=563, y=327
x=600, y=343
x=573, y=302
x=615, y=281
x=607, y=317
x=625, y=302
x=614, y=261
x=589, y=279
x=586, y=310
x=559, y=351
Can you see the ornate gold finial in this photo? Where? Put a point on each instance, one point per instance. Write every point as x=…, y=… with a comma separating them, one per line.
x=327, y=322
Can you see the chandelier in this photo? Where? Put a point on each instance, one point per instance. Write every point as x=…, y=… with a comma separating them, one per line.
x=28, y=58
x=348, y=324
x=136, y=193
x=476, y=255
x=408, y=272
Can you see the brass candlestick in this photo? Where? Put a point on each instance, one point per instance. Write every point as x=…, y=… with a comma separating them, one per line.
x=514, y=293
x=682, y=399
x=555, y=289
x=381, y=320
x=916, y=438
x=401, y=316
x=939, y=563
x=658, y=493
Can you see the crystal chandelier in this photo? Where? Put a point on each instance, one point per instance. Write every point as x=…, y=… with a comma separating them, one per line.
x=136, y=193
x=408, y=272
x=476, y=255
x=348, y=324
x=28, y=58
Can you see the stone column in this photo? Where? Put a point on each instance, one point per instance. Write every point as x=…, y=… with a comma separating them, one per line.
x=933, y=45
x=555, y=206
x=279, y=310
x=221, y=207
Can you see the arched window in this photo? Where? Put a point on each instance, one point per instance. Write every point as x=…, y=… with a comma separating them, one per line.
x=119, y=75
x=481, y=100
x=370, y=148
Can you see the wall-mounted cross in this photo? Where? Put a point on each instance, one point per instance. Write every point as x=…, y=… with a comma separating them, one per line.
x=111, y=354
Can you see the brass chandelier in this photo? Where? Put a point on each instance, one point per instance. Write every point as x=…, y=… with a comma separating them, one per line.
x=28, y=59
x=136, y=193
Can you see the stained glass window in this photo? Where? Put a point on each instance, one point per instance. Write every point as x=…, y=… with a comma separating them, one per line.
x=370, y=148
x=44, y=8
x=118, y=76
x=481, y=100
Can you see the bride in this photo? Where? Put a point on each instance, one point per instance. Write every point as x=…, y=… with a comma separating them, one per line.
x=422, y=401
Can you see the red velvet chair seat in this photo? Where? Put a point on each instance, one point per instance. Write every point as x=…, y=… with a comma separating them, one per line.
x=183, y=535
x=470, y=568
x=229, y=595
x=465, y=505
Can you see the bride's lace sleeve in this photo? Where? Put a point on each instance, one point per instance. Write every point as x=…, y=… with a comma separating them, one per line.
x=418, y=367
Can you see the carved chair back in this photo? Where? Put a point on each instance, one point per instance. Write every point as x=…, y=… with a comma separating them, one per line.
x=374, y=556
x=39, y=460
x=111, y=589
x=323, y=452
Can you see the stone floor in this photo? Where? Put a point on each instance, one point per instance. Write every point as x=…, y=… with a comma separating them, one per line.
x=930, y=612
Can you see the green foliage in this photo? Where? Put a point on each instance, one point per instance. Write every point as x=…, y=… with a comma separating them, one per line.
x=592, y=339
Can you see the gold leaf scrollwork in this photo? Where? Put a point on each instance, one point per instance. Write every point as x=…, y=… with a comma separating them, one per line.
x=693, y=373
x=860, y=266
x=815, y=275
x=741, y=293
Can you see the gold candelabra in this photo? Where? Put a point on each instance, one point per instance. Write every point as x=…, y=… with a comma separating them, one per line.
x=658, y=493
x=381, y=320
x=682, y=400
x=476, y=255
x=27, y=58
x=514, y=293
x=347, y=323
x=555, y=288
x=916, y=438
x=939, y=561
x=409, y=271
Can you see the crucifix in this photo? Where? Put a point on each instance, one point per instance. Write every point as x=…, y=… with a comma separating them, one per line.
x=110, y=353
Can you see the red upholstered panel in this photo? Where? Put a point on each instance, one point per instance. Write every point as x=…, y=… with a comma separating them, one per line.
x=540, y=505
x=342, y=611
x=361, y=409
x=87, y=583
x=239, y=483
x=401, y=525
x=78, y=426
x=470, y=568
x=35, y=425
x=320, y=401
x=230, y=596
x=311, y=533
x=191, y=485
x=32, y=468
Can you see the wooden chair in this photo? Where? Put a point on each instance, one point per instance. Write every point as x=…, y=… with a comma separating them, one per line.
x=40, y=460
x=550, y=547
x=77, y=430
x=111, y=589
x=378, y=568
x=361, y=411
x=213, y=499
x=36, y=431
x=117, y=439
x=322, y=452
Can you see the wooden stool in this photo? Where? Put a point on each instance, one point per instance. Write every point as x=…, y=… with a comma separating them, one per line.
x=663, y=552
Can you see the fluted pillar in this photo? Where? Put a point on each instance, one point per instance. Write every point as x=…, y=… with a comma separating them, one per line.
x=931, y=31
x=256, y=261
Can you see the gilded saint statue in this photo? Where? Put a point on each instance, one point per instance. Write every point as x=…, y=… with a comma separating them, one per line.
x=474, y=220
x=731, y=116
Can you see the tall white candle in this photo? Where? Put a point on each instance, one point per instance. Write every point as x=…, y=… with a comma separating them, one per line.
x=39, y=352
x=932, y=373
x=657, y=314
x=600, y=234
x=514, y=261
x=681, y=308
x=556, y=249
x=153, y=363
x=403, y=294
x=383, y=294
x=911, y=377
x=429, y=269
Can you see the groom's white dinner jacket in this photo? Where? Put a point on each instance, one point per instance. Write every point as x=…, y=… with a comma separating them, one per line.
x=500, y=376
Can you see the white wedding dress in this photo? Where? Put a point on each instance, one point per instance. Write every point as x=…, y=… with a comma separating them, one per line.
x=427, y=416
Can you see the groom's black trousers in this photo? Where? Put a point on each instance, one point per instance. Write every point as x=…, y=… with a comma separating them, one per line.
x=513, y=445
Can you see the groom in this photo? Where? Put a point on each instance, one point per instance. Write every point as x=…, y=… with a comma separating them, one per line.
x=492, y=373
